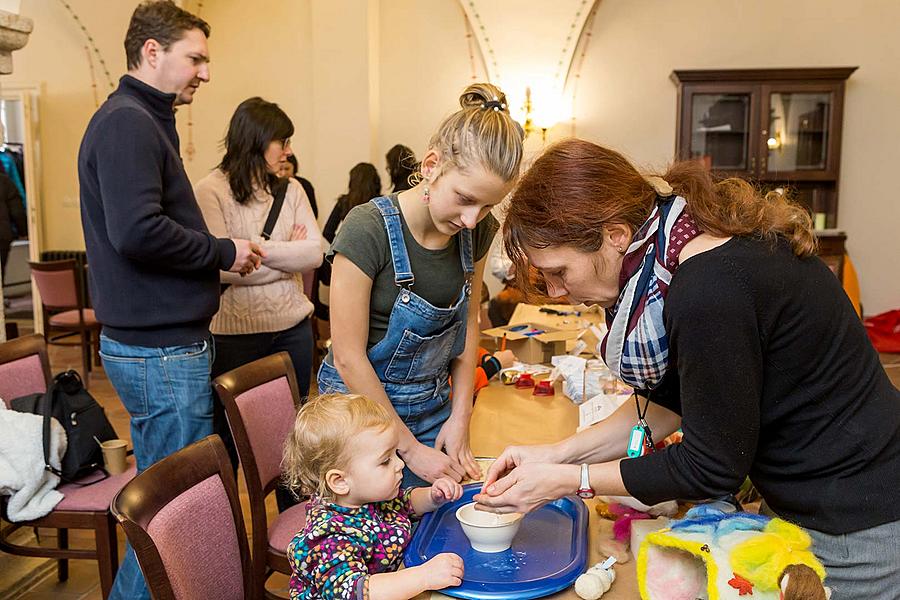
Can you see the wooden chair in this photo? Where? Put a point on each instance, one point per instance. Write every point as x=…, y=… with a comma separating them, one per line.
x=261, y=401
x=183, y=519
x=63, y=300
x=24, y=369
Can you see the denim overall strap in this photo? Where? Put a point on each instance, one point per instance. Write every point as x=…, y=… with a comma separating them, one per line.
x=465, y=257
x=399, y=257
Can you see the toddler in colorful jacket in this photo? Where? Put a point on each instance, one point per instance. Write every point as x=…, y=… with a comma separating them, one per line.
x=343, y=452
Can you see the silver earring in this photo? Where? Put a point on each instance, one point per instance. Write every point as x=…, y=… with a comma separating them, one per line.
x=426, y=197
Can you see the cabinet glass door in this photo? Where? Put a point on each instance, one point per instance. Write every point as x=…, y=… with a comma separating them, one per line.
x=720, y=131
x=798, y=132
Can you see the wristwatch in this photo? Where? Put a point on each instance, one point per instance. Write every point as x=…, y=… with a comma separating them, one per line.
x=584, y=489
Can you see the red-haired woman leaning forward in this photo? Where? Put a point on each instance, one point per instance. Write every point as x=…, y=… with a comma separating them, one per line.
x=729, y=327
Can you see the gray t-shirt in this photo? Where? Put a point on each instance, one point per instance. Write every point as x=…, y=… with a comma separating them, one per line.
x=439, y=274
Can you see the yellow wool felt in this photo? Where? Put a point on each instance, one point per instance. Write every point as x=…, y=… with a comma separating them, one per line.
x=761, y=559
x=664, y=538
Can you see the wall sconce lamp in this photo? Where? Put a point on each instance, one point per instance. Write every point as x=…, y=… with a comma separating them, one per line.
x=529, y=125
x=774, y=142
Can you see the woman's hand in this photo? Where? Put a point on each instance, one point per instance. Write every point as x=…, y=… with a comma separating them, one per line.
x=529, y=487
x=515, y=456
x=298, y=232
x=431, y=464
x=454, y=440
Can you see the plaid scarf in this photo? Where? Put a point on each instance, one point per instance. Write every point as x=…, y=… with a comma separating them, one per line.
x=636, y=347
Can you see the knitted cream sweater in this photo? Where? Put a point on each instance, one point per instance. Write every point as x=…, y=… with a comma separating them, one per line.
x=271, y=298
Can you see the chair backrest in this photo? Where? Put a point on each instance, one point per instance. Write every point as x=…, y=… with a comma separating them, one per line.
x=261, y=400
x=57, y=283
x=183, y=519
x=24, y=367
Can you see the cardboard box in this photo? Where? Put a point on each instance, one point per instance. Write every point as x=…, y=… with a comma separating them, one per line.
x=532, y=343
x=560, y=331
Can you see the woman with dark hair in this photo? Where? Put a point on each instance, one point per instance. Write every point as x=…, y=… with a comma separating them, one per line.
x=290, y=168
x=365, y=184
x=401, y=166
x=728, y=326
x=266, y=311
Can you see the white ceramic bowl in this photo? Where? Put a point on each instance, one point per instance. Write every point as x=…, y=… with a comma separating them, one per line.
x=488, y=532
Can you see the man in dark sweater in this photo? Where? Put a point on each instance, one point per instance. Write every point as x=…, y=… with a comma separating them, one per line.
x=154, y=272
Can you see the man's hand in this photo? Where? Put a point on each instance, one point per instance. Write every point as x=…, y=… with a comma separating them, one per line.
x=247, y=257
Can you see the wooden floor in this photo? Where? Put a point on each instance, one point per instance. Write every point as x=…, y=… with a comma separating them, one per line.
x=35, y=579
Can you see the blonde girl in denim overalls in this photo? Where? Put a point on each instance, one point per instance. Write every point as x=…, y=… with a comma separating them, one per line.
x=471, y=164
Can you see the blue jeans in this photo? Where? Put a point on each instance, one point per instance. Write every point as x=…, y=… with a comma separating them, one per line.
x=168, y=395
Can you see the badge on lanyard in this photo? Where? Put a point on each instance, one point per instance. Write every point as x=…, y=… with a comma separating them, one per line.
x=640, y=440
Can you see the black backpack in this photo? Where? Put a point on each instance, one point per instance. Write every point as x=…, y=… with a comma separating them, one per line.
x=83, y=419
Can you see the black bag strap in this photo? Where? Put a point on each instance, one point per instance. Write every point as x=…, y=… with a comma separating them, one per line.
x=279, y=191
x=46, y=408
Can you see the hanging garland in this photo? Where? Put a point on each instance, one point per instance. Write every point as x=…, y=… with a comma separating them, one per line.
x=92, y=52
x=560, y=65
x=583, y=39
x=487, y=41
x=586, y=35
x=470, y=42
x=189, y=149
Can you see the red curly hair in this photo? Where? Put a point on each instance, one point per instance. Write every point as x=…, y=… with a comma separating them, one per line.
x=575, y=187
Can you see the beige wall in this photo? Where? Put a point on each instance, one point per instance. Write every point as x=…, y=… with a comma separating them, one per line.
x=357, y=76
x=628, y=102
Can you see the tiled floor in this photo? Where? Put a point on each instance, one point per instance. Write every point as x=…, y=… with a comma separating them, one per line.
x=35, y=579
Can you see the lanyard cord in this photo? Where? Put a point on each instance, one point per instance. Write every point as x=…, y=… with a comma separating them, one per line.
x=642, y=422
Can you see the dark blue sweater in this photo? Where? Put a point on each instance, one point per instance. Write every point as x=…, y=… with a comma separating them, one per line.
x=154, y=266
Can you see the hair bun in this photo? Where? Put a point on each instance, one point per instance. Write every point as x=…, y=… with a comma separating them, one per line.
x=484, y=96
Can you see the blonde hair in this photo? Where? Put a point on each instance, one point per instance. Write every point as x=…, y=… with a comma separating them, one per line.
x=319, y=441
x=481, y=132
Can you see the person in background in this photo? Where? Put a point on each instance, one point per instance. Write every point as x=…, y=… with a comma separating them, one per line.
x=290, y=168
x=365, y=184
x=265, y=312
x=491, y=364
x=154, y=273
x=502, y=306
x=406, y=266
x=13, y=223
x=401, y=166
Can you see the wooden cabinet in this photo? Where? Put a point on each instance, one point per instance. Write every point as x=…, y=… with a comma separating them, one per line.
x=780, y=128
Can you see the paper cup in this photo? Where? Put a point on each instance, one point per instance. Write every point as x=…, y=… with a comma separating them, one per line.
x=114, y=458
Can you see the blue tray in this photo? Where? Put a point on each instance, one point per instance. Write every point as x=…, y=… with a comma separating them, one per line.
x=547, y=555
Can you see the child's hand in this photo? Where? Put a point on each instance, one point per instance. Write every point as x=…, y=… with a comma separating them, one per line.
x=444, y=570
x=445, y=490
x=506, y=358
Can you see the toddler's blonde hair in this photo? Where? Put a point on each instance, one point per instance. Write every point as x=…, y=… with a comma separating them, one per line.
x=322, y=431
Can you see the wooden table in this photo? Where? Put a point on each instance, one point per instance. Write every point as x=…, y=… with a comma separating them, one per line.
x=504, y=416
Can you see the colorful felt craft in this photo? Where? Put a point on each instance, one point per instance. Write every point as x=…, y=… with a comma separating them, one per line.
x=721, y=556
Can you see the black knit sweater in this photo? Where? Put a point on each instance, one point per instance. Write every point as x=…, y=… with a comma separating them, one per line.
x=775, y=378
x=154, y=266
